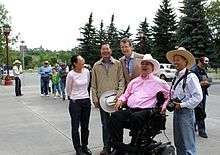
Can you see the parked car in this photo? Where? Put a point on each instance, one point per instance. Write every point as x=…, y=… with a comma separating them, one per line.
x=3, y=71
x=167, y=71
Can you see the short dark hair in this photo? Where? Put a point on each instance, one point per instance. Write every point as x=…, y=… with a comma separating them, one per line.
x=126, y=40
x=74, y=59
x=105, y=43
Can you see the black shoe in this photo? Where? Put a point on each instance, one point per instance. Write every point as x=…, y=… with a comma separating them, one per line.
x=86, y=150
x=104, y=151
x=203, y=134
x=79, y=152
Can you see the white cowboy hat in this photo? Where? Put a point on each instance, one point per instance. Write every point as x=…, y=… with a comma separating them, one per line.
x=17, y=62
x=107, y=101
x=182, y=52
x=156, y=64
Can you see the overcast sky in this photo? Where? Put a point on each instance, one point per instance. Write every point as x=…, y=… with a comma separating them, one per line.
x=55, y=24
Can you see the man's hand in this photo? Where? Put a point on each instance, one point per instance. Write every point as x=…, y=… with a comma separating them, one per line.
x=118, y=104
x=163, y=110
x=96, y=104
x=177, y=106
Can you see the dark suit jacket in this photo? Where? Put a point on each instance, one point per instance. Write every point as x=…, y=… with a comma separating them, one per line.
x=136, y=67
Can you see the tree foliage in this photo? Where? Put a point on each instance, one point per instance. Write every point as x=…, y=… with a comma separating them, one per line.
x=193, y=31
x=164, y=31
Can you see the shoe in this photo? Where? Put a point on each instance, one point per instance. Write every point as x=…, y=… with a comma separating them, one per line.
x=48, y=95
x=203, y=134
x=86, y=150
x=104, y=151
x=41, y=94
x=79, y=152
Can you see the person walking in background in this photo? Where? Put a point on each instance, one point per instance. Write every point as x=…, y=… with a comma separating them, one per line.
x=186, y=95
x=107, y=75
x=55, y=78
x=62, y=74
x=130, y=61
x=200, y=113
x=17, y=71
x=77, y=83
x=45, y=73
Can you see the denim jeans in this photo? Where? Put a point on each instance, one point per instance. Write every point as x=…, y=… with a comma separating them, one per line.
x=79, y=111
x=56, y=88
x=45, y=85
x=184, y=134
x=63, y=86
x=17, y=86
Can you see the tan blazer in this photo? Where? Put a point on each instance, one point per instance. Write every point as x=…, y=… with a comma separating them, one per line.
x=104, y=80
x=136, y=67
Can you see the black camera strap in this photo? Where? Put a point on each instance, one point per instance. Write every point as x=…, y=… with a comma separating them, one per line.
x=184, y=77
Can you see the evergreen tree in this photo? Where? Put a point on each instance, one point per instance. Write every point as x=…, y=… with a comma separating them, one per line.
x=193, y=31
x=125, y=33
x=213, y=17
x=164, y=31
x=101, y=34
x=143, y=38
x=88, y=42
x=113, y=39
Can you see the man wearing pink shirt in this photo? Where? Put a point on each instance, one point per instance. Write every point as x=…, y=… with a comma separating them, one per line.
x=139, y=97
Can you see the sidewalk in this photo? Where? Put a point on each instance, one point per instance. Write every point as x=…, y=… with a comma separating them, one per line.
x=34, y=125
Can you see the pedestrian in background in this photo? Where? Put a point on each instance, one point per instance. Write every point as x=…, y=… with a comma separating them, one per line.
x=45, y=74
x=200, y=113
x=130, y=61
x=62, y=74
x=55, y=78
x=17, y=71
x=77, y=83
x=186, y=95
x=107, y=75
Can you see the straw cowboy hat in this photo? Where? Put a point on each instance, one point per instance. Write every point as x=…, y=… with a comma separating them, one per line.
x=156, y=64
x=46, y=62
x=107, y=101
x=181, y=51
x=17, y=62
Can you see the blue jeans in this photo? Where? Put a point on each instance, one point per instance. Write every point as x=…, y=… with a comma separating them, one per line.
x=63, y=86
x=45, y=85
x=105, y=133
x=184, y=134
x=56, y=88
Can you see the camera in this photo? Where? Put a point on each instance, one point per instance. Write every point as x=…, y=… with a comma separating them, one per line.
x=171, y=105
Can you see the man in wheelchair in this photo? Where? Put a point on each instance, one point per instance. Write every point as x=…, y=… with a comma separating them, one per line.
x=145, y=112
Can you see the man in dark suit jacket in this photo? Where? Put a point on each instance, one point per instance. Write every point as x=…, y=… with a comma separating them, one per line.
x=130, y=61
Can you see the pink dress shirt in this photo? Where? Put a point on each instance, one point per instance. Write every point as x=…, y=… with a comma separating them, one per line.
x=141, y=92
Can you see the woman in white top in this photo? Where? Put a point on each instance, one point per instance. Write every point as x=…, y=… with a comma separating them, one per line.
x=17, y=71
x=77, y=84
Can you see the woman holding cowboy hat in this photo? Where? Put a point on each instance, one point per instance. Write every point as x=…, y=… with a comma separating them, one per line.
x=187, y=90
x=17, y=71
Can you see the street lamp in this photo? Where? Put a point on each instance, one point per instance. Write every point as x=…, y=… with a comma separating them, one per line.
x=141, y=35
x=6, y=31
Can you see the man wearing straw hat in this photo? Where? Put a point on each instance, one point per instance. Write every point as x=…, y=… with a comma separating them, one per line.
x=17, y=71
x=139, y=97
x=186, y=95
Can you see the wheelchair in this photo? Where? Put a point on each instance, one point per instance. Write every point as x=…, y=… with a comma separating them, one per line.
x=143, y=142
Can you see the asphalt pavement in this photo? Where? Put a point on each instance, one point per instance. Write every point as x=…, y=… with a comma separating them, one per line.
x=34, y=125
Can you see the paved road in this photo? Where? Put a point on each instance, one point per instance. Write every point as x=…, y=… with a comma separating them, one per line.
x=34, y=125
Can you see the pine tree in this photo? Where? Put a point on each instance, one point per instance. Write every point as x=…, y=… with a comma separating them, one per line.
x=101, y=34
x=113, y=39
x=164, y=31
x=125, y=33
x=88, y=43
x=193, y=31
x=213, y=17
x=143, y=38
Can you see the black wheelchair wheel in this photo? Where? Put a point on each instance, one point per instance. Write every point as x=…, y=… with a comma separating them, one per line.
x=169, y=150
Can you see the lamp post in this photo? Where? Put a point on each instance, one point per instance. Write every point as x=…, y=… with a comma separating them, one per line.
x=141, y=35
x=23, y=49
x=6, y=31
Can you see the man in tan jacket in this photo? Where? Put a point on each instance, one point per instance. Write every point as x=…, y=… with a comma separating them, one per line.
x=130, y=61
x=107, y=75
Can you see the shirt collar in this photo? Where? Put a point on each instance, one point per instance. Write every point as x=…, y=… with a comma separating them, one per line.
x=131, y=56
x=182, y=72
x=150, y=76
x=112, y=61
